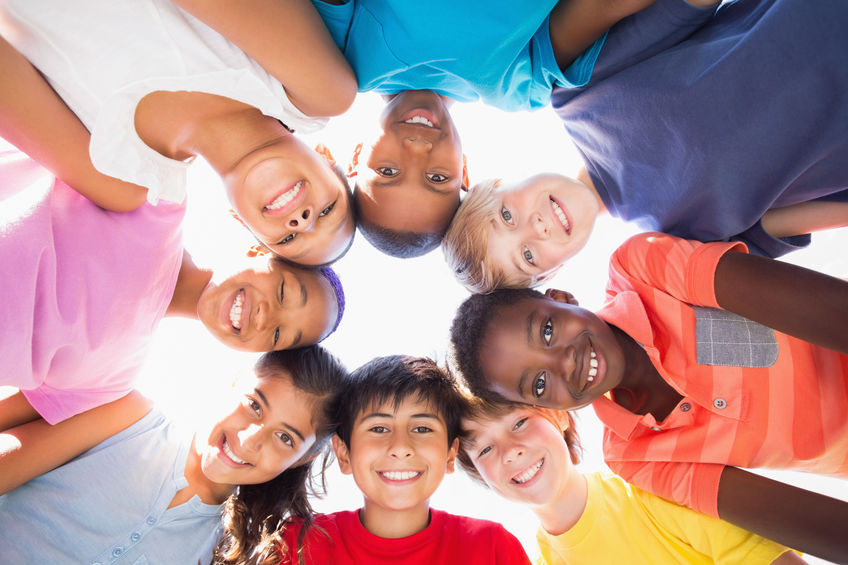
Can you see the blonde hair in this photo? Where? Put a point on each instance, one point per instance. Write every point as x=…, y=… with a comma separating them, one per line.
x=466, y=243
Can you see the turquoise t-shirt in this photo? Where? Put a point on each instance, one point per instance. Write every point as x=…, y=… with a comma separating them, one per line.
x=497, y=51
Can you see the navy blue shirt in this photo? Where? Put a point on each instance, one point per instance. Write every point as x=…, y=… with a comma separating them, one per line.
x=695, y=124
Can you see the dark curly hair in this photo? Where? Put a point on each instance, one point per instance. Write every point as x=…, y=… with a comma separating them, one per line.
x=394, y=379
x=468, y=329
x=396, y=243
x=254, y=515
x=481, y=409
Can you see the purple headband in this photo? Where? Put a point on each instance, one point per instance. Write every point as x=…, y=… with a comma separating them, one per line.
x=334, y=281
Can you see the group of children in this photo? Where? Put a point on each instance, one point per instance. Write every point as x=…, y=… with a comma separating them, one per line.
x=702, y=361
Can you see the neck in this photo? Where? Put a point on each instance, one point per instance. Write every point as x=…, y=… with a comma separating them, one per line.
x=191, y=283
x=583, y=176
x=566, y=507
x=393, y=524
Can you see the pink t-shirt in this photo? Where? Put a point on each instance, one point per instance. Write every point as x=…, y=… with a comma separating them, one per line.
x=82, y=289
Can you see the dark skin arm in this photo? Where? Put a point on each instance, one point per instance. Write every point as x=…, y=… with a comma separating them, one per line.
x=37, y=121
x=36, y=447
x=804, y=520
x=800, y=302
x=576, y=24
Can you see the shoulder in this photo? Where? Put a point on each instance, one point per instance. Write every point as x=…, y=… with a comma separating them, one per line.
x=472, y=530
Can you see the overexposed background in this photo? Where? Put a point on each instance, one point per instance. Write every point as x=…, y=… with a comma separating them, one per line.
x=405, y=306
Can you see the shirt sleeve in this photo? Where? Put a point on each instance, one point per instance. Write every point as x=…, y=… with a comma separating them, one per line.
x=678, y=267
x=337, y=18
x=694, y=485
x=721, y=541
x=56, y=405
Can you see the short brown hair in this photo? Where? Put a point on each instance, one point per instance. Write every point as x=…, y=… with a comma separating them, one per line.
x=466, y=242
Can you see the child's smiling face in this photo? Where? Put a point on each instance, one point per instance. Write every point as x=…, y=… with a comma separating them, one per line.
x=269, y=430
x=293, y=201
x=521, y=455
x=269, y=306
x=411, y=175
x=546, y=352
x=398, y=457
x=540, y=222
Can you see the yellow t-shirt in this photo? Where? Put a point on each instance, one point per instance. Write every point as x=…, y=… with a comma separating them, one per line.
x=624, y=524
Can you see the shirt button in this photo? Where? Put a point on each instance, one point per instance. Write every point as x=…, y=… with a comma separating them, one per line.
x=656, y=429
x=720, y=403
x=136, y=536
x=117, y=551
x=685, y=407
x=151, y=520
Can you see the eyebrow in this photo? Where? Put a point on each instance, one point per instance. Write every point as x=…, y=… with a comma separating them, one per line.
x=386, y=415
x=264, y=400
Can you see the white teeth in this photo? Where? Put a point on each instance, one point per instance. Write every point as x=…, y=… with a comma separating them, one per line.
x=529, y=473
x=561, y=216
x=235, y=311
x=285, y=197
x=593, y=364
x=419, y=120
x=232, y=455
x=400, y=475
x=592, y=352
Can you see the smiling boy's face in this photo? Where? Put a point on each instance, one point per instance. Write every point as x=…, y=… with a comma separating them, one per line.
x=398, y=457
x=547, y=352
x=412, y=174
x=521, y=455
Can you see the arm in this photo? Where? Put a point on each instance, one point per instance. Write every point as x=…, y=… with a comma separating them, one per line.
x=797, y=301
x=289, y=39
x=810, y=522
x=34, y=448
x=15, y=410
x=789, y=558
x=37, y=121
x=805, y=217
x=576, y=24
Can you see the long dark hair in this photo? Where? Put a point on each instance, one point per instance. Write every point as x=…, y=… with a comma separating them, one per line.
x=254, y=515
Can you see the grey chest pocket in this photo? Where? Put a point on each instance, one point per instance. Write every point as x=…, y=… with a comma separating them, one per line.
x=724, y=338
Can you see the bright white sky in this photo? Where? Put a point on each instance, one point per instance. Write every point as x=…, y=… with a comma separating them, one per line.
x=405, y=306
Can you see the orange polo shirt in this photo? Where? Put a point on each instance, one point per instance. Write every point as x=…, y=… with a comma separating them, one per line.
x=752, y=397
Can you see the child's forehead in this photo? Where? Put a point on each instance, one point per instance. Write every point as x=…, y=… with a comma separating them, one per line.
x=415, y=404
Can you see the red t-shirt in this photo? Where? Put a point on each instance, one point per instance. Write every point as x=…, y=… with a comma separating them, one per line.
x=448, y=539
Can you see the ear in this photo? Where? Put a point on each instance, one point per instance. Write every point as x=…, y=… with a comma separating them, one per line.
x=561, y=296
x=342, y=455
x=465, y=182
x=353, y=166
x=449, y=468
x=324, y=151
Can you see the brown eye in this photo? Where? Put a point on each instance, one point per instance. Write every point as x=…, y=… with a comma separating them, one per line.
x=387, y=171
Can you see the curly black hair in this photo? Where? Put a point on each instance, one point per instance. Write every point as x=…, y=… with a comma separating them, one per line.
x=468, y=329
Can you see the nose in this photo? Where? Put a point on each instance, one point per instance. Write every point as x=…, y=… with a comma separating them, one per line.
x=567, y=361
x=251, y=437
x=301, y=220
x=513, y=453
x=267, y=315
x=540, y=227
x=417, y=145
x=400, y=447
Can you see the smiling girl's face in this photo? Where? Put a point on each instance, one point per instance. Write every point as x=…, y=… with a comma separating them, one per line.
x=270, y=306
x=293, y=201
x=269, y=429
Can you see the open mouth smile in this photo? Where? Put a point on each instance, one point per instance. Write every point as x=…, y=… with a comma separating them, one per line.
x=529, y=473
x=561, y=216
x=283, y=199
x=236, y=311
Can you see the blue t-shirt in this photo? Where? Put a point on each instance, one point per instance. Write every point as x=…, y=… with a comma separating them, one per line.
x=696, y=124
x=110, y=505
x=497, y=51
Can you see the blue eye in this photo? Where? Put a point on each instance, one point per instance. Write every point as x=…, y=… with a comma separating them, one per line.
x=539, y=385
x=506, y=215
x=519, y=423
x=528, y=256
x=484, y=451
